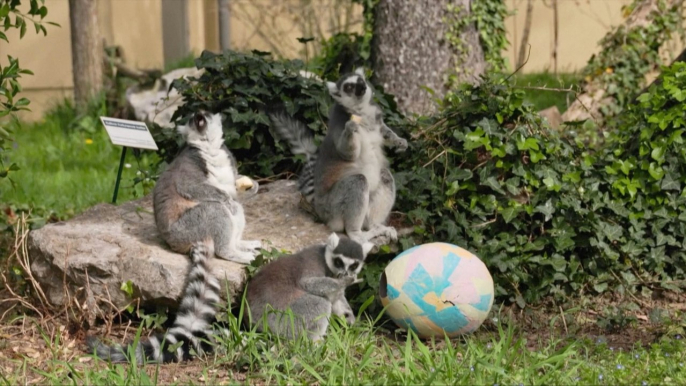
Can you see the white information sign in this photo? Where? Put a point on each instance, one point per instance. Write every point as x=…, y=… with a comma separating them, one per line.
x=129, y=133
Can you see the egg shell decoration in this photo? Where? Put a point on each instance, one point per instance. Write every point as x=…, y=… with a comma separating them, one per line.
x=437, y=289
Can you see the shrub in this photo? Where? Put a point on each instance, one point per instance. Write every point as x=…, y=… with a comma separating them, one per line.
x=244, y=86
x=549, y=216
x=488, y=175
x=643, y=172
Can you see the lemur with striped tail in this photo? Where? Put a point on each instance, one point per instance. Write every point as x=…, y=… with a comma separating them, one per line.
x=196, y=210
x=347, y=179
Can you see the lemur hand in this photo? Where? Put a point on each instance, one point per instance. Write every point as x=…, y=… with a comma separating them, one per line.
x=352, y=126
x=400, y=145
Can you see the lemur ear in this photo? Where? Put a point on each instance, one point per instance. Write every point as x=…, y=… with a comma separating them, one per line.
x=360, y=71
x=332, y=88
x=366, y=247
x=332, y=241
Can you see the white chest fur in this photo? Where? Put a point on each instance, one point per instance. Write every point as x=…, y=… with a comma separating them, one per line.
x=372, y=158
x=220, y=171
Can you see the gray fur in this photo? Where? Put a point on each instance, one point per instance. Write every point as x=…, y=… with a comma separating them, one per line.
x=348, y=181
x=196, y=198
x=297, y=294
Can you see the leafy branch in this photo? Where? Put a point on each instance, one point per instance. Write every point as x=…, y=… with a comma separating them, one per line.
x=12, y=72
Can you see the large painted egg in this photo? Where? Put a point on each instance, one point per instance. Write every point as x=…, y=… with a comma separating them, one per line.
x=437, y=289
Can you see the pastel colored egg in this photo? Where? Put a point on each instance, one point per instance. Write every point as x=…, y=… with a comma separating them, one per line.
x=437, y=289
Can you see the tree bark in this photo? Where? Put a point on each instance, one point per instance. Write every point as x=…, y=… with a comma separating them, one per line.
x=87, y=51
x=410, y=51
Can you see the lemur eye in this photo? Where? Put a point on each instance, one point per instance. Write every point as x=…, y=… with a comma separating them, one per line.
x=338, y=263
x=199, y=121
x=354, y=266
x=348, y=87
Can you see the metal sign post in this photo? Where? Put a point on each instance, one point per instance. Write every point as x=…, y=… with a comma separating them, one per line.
x=127, y=134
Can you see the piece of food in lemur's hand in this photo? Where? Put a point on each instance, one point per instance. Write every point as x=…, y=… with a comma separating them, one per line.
x=244, y=183
x=356, y=118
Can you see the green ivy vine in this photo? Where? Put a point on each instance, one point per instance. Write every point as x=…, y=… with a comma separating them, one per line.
x=625, y=56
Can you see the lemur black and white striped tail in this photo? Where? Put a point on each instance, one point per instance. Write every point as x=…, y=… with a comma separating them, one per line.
x=301, y=141
x=192, y=329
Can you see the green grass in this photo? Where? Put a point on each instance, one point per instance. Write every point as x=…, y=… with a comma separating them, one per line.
x=362, y=354
x=68, y=164
x=543, y=99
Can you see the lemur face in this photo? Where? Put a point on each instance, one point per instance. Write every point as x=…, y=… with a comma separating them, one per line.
x=202, y=127
x=351, y=90
x=345, y=257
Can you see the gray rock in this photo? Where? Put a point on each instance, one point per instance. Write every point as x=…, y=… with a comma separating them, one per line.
x=88, y=257
x=552, y=114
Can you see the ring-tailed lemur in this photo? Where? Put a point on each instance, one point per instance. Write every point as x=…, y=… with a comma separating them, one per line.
x=196, y=198
x=311, y=283
x=192, y=329
x=347, y=180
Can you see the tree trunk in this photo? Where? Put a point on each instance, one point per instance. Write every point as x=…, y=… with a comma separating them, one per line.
x=86, y=51
x=410, y=50
x=556, y=34
x=523, y=48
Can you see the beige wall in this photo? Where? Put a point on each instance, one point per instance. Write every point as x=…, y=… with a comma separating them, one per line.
x=581, y=25
x=274, y=25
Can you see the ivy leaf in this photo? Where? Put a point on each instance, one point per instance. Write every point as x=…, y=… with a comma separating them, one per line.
x=461, y=174
x=658, y=154
x=669, y=183
x=600, y=287
x=536, y=156
x=656, y=171
x=493, y=183
x=612, y=232
x=546, y=209
x=559, y=263
x=509, y=213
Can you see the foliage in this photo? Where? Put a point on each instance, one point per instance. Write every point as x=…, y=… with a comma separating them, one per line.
x=12, y=72
x=244, y=86
x=488, y=18
x=340, y=54
x=344, y=51
x=488, y=176
x=626, y=56
x=368, y=14
x=548, y=216
x=643, y=175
